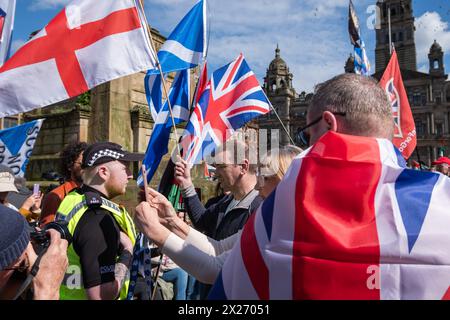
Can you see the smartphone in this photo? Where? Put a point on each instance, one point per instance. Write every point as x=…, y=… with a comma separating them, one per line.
x=36, y=189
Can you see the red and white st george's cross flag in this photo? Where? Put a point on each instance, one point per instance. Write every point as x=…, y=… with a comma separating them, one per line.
x=88, y=43
x=405, y=129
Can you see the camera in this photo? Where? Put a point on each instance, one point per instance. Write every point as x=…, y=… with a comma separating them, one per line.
x=41, y=239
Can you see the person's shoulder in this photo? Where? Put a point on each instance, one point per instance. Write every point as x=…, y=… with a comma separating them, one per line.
x=58, y=191
x=256, y=202
x=226, y=199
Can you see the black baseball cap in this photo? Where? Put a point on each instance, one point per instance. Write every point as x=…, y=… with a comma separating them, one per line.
x=103, y=152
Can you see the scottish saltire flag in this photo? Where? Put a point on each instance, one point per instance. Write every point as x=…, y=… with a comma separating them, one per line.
x=232, y=97
x=153, y=92
x=405, y=138
x=7, y=11
x=187, y=44
x=362, y=63
x=179, y=96
x=16, y=145
x=367, y=228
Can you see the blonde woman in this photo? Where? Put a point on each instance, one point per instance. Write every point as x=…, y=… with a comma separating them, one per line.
x=273, y=168
x=191, y=250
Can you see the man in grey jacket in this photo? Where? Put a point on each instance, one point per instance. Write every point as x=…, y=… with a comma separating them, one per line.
x=230, y=214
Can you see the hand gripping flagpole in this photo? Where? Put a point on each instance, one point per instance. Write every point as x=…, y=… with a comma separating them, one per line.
x=141, y=3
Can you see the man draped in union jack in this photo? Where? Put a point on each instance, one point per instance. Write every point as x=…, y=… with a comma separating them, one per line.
x=231, y=98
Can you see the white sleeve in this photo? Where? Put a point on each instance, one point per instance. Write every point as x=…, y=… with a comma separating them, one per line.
x=203, y=266
x=209, y=245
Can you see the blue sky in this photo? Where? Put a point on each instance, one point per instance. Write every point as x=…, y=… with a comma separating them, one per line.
x=312, y=34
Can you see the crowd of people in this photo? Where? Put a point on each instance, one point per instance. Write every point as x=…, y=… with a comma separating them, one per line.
x=94, y=262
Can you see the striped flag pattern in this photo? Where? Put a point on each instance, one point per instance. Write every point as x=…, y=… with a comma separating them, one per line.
x=360, y=226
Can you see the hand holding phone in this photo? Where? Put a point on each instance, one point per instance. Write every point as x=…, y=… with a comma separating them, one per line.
x=36, y=189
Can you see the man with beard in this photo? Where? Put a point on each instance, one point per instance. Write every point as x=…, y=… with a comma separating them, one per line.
x=71, y=158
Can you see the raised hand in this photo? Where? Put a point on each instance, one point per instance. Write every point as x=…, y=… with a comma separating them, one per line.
x=148, y=222
x=163, y=207
x=183, y=173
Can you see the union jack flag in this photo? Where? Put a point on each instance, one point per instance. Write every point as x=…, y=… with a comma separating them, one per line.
x=231, y=98
x=372, y=229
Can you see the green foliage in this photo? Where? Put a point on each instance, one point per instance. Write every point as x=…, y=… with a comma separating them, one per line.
x=84, y=99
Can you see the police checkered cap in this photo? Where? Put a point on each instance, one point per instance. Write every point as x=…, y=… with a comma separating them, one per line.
x=102, y=152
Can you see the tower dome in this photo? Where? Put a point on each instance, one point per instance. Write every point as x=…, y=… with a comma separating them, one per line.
x=436, y=59
x=278, y=63
x=278, y=75
x=435, y=47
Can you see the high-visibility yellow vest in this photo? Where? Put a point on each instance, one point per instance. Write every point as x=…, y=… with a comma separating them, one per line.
x=71, y=210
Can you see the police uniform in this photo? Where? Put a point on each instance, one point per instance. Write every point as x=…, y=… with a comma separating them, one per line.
x=95, y=224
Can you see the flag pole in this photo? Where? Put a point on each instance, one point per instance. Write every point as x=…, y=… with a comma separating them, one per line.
x=279, y=119
x=418, y=159
x=163, y=80
x=390, y=30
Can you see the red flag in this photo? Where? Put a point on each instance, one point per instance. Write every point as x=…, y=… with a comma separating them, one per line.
x=405, y=130
x=202, y=83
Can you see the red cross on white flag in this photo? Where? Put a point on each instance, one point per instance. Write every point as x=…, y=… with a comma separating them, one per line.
x=88, y=43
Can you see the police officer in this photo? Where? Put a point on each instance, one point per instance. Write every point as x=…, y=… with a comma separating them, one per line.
x=103, y=232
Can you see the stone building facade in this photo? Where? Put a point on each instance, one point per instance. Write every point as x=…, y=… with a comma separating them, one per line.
x=428, y=93
x=288, y=104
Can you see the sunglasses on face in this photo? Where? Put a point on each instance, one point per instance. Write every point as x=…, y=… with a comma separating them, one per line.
x=303, y=134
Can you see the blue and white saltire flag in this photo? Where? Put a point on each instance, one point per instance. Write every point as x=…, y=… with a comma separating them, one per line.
x=362, y=63
x=7, y=10
x=153, y=92
x=184, y=49
x=179, y=96
x=16, y=145
x=187, y=44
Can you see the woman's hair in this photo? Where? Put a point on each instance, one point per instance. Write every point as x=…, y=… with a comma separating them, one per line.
x=277, y=161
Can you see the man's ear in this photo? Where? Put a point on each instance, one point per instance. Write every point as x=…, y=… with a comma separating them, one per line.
x=245, y=166
x=103, y=172
x=331, y=121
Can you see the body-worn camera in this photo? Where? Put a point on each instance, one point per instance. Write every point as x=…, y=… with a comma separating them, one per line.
x=41, y=239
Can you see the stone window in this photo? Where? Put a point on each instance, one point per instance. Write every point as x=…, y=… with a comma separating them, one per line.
x=439, y=128
x=436, y=64
x=417, y=99
x=400, y=36
x=438, y=97
x=10, y=122
x=421, y=128
x=424, y=99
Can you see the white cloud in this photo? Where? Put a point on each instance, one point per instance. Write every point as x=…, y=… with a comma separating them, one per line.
x=430, y=27
x=312, y=34
x=47, y=4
